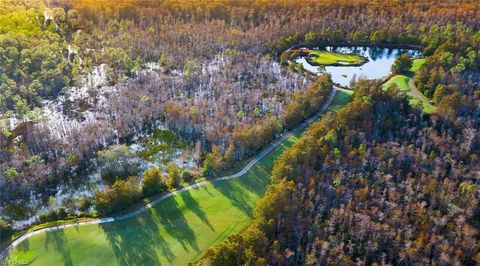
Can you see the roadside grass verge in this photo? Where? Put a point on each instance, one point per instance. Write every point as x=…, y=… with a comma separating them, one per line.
x=341, y=99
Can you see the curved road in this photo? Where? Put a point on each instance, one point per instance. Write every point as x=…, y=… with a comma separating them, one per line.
x=415, y=92
x=244, y=170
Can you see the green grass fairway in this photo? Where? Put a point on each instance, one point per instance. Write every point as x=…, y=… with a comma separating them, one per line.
x=428, y=109
x=341, y=98
x=401, y=82
x=417, y=63
x=175, y=231
x=330, y=58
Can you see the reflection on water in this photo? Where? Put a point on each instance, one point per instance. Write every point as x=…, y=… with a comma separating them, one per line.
x=378, y=66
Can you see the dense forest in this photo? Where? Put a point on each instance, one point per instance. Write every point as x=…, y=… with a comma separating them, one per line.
x=377, y=182
x=374, y=183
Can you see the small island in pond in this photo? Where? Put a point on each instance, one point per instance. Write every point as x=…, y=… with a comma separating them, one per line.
x=327, y=58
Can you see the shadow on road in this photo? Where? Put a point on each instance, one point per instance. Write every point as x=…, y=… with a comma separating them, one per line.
x=135, y=241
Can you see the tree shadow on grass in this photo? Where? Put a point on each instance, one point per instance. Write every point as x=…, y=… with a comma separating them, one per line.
x=24, y=245
x=254, y=181
x=232, y=191
x=208, y=191
x=175, y=224
x=236, y=191
x=192, y=205
x=135, y=241
x=25, y=255
x=59, y=241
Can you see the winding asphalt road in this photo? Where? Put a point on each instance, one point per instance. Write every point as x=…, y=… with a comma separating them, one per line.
x=244, y=170
x=415, y=92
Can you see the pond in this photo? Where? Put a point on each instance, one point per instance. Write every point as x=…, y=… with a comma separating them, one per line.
x=378, y=66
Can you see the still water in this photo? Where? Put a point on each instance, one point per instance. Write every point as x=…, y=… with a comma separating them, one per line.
x=379, y=63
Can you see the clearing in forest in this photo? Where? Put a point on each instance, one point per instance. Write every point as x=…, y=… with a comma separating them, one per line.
x=406, y=84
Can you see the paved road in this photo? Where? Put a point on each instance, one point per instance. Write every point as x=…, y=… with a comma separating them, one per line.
x=244, y=170
x=416, y=93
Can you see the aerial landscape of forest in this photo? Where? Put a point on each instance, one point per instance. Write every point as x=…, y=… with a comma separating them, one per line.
x=239, y=132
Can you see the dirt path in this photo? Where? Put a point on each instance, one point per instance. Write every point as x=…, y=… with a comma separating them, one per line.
x=141, y=209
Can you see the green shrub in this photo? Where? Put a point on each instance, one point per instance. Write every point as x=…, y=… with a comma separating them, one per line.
x=174, y=178
x=153, y=182
x=187, y=176
x=213, y=162
x=120, y=196
x=6, y=229
x=402, y=64
x=118, y=161
x=84, y=203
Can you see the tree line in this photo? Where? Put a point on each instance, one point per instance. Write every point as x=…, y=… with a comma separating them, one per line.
x=219, y=85
x=375, y=183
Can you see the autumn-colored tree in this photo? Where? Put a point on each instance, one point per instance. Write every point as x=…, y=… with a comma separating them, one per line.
x=152, y=182
x=174, y=178
x=213, y=162
x=121, y=195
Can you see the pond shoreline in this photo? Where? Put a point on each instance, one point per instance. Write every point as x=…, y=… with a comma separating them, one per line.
x=377, y=66
x=356, y=44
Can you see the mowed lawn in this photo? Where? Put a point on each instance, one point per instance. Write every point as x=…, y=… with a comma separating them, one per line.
x=342, y=97
x=417, y=63
x=330, y=58
x=401, y=82
x=175, y=231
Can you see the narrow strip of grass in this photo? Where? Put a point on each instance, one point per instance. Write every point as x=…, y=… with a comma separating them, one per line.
x=341, y=99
